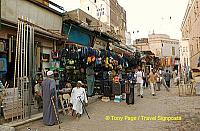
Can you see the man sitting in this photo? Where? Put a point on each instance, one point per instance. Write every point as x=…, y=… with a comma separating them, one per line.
x=38, y=93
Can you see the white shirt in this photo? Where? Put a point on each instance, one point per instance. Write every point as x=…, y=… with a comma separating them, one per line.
x=139, y=76
x=38, y=88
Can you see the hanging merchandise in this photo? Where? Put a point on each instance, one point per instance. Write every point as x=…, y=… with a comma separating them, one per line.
x=169, y=61
x=55, y=54
x=127, y=87
x=2, y=46
x=106, y=62
x=3, y=65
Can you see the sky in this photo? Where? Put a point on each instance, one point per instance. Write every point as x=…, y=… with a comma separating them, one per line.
x=146, y=16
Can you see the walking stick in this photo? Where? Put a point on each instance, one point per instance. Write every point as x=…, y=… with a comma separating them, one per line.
x=84, y=107
x=54, y=107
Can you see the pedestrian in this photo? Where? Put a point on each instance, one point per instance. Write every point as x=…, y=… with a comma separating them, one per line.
x=78, y=96
x=158, y=80
x=38, y=93
x=152, y=81
x=139, y=76
x=167, y=77
x=145, y=78
x=48, y=93
x=130, y=92
x=90, y=76
x=163, y=82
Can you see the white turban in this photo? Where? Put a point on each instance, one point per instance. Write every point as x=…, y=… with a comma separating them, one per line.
x=80, y=82
x=49, y=73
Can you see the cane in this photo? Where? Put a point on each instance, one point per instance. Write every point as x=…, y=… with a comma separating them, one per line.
x=54, y=107
x=84, y=107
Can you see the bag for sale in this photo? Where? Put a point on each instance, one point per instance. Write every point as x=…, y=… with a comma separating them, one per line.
x=127, y=87
x=118, y=98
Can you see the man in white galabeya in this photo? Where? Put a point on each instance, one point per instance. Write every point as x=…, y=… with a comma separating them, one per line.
x=139, y=75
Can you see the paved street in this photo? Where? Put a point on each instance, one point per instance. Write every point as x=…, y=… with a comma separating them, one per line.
x=164, y=104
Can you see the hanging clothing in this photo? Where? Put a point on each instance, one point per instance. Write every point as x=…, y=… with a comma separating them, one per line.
x=77, y=95
x=49, y=91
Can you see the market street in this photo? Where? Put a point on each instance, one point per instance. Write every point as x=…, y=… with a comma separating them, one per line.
x=112, y=116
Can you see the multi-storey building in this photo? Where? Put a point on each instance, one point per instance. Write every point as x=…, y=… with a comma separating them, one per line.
x=162, y=46
x=110, y=13
x=190, y=31
x=142, y=44
x=184, y=54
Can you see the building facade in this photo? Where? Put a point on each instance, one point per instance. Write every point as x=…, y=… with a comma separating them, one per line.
x=190, y=31
x=110, y=13
x=47, y=24
x=142, y=44
x=184, y=54
x=162, y=46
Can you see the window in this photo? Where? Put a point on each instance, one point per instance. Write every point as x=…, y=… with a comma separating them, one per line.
x=95, y=1
x=88, y=8
x=103, y=13
x=183, y=49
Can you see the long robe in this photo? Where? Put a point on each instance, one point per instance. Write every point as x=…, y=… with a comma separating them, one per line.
x=77, y=105
x=48, y=91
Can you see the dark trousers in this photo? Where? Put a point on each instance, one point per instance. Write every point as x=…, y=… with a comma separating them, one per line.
x=39, y=101
x=168, y=83
x=130, y=97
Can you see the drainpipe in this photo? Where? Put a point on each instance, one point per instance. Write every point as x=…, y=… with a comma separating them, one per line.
x=0, y=14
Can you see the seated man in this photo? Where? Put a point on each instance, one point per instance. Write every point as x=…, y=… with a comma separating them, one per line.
x=38, y=93
x=78, y=96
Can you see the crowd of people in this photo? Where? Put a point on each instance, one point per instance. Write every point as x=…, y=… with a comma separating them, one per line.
x=47, y=97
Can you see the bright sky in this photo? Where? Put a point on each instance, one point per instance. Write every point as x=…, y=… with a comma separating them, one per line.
x=147, y=15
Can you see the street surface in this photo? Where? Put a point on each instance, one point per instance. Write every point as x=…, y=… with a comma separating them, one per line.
x=147, y=114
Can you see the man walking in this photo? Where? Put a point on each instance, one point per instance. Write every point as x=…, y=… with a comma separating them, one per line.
x=48, y=93
x=167, y=77
x=139, y=76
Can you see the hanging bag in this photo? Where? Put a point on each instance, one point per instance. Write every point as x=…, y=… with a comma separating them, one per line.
x=127, y=87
